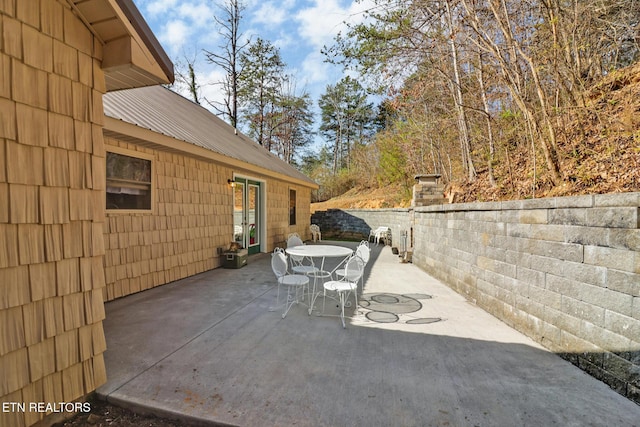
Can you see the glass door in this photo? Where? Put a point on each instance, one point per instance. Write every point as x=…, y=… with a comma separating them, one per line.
x=254, y=217
x=239, y=213
x=246, y=214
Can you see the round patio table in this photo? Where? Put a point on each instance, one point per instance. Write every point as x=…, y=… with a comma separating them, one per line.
x=320, y=252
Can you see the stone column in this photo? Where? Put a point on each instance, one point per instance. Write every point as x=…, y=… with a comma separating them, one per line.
x=428, y=190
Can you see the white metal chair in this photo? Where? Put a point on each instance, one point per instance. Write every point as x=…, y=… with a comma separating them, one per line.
x=354, y=268
x=294, y=235
x=293, y=282
x=297, y=262
x=378, y=234
x=364, y=253
x=316, y=235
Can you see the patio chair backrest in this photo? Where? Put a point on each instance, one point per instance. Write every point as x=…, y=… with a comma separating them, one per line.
x=294, y=240
x=353, y=269
x=293, y=235
x=364, y=253
x=279, y=263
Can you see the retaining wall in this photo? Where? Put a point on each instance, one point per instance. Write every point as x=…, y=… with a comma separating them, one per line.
x=564, y=271
x=356, y=223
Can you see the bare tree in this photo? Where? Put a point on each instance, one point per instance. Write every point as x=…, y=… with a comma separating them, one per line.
x=186, y=77
x=228, y=59
x=456, y=82
x=522, y=63
x=486, y=109
x=293, y=120
x=496, y=37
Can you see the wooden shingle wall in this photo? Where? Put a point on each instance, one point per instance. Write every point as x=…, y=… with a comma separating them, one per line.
x=191, y=218
x=51, y=207
x=278, y=213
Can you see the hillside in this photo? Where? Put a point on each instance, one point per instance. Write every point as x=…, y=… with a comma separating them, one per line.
x=367, y=198
x=598, y=148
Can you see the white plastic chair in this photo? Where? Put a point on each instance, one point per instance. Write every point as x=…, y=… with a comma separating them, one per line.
x=379, y=233
x=316, y=235
x=293, y=282
x=354, y=268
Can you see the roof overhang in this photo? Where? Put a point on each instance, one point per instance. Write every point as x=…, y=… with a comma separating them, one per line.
x=132, y=56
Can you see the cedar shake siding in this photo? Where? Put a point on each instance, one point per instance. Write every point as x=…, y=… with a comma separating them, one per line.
x=189, y=221
x=52, y=186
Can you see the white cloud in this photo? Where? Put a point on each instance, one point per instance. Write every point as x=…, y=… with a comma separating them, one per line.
x=158, y=7
x=284, y=41
x=208, y=91
x=322, y=22
x=299, y=28
x=180, y=24
x=175, y=35
x=200, y=14
x=314, y=69
x=272, y=12
x=269, y=13
x=317, y=26
x=211, y=92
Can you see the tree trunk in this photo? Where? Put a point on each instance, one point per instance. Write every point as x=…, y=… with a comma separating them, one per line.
x=463, y=127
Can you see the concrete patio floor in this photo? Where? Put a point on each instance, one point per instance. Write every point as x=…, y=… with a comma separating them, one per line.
x=208, y=350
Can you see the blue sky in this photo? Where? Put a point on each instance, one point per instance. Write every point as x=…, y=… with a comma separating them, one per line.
x=298, y=28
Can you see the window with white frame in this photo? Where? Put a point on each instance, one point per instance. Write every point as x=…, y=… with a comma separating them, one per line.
x=129, y=181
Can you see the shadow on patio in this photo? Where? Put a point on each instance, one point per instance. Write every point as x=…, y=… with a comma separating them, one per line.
x=207, y=349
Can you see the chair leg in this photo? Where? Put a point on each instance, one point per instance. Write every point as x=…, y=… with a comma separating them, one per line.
x=277, y=306
x=355, y=293
x=313, y=295
x=287, y=303
x=341, y=294
x=324, y=297
x=290, y=301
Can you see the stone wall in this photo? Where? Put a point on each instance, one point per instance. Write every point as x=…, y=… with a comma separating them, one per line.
x=355, y=224
x=564, y=271
x=428, y=190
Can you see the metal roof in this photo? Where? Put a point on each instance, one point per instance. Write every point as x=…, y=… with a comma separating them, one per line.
x=167, y=113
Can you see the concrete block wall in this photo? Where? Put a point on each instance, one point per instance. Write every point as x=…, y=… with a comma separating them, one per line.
x=355, y=224
x=564, y=271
